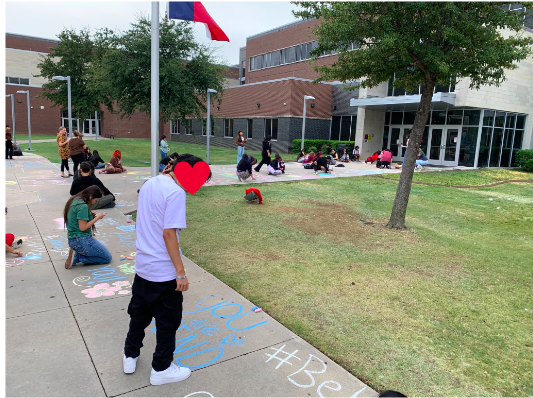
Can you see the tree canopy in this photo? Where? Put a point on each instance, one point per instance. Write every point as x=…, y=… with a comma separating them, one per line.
x=424, y=44
x=114, y=69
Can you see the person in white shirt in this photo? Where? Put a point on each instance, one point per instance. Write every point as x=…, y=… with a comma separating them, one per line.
x=160, y=276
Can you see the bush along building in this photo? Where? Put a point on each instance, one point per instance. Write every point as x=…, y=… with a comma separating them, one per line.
x=473, y=128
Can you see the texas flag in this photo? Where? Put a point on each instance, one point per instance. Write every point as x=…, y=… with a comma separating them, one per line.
x=195, y=11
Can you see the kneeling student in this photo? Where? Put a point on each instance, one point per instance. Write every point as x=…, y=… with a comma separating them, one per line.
x=276, y=166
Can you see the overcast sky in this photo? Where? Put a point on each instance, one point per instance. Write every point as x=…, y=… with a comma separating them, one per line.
x=237, y=19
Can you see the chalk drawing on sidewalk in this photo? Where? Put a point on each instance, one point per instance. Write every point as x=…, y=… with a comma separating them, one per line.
x=32, y=248
x=197, y=393
x=206, y=339
x=107, y=280
x=304, y=377
x=106, y=290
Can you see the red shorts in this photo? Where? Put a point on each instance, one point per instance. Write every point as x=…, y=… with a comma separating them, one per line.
x=10, y=238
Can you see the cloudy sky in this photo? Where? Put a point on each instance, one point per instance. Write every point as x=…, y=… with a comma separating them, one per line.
x=237, y=19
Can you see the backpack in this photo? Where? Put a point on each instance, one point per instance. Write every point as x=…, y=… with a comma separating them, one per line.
x=16, y=150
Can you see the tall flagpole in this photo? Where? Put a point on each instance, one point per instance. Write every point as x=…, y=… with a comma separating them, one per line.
x=154, y=107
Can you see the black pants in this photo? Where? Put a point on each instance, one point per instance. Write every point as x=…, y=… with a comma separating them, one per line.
x=77, y=159
x=161, y=301
x=64, y=165
x=265, y=160
x=9, y=151
x=319, y=167
x=383, y=164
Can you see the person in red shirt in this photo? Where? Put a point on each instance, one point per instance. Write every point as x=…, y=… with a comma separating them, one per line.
x=373, y=158
x=256, y=195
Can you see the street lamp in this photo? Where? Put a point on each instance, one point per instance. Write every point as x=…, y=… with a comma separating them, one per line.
x=306, y=97
x=67, y=78
x=208, y=122
x=13, y=115
x=27, y=92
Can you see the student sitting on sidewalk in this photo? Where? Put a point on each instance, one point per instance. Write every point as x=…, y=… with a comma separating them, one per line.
x=12, y=245
x=276, y=166
x=244, y=168
x=163, y=163
x=85, y=179
x=80, y=225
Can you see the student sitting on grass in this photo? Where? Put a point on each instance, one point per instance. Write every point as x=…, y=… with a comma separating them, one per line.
x=85, y=179
x=276, y=167
x=80, y=226
x=244, y=168
x=164, y=162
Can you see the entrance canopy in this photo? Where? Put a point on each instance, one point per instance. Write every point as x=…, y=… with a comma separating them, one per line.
x=404, y=102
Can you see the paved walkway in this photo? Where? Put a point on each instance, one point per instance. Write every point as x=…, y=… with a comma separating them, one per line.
x=65, y=329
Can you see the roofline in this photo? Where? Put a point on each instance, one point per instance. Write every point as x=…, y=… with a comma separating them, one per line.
x=32, y=38
x=281, y=80
x=279, y=28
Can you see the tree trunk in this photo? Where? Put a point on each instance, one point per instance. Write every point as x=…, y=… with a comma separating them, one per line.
x=399, y=209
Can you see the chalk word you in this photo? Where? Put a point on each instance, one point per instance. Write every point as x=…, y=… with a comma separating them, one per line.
x=214, y=330
x=106, y=281
x=304, y=377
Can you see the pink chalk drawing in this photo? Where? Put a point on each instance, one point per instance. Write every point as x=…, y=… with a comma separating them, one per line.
x=105, y=290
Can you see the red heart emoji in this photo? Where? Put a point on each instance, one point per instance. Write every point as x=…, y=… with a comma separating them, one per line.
x=192, y=178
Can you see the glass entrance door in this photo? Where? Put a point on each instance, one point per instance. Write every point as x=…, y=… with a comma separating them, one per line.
x=443, y=146
x=89, y=127
x=398, y=137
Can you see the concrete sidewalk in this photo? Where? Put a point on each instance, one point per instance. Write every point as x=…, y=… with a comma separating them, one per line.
x=66, y=328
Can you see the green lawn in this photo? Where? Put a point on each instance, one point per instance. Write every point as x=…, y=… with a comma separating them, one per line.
x=446, y=309
x=136, y=152
x=24, y=137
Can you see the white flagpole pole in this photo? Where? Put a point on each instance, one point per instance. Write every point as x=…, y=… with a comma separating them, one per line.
x=154, y=108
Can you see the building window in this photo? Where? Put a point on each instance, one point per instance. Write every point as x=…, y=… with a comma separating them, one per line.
x=18, y=80
x=204, y=127
x=271, y=128
x=184, y=126
x=228, y=128
x=250, y=127
x=398, y=91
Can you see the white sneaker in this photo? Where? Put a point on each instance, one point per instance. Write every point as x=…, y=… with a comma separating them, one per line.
x=70, y=259
x=130, y=364
x=173, y=374
x=16, y=244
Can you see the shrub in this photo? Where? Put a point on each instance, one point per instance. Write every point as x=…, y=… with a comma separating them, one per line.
x=312, y=149
x=523, y=156
x=528, y=166
x=326, y=149
x=310, y=144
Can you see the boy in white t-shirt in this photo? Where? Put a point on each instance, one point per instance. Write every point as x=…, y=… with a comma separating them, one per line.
x=160, y=276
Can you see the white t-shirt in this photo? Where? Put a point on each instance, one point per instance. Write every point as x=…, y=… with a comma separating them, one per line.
x=161, y=206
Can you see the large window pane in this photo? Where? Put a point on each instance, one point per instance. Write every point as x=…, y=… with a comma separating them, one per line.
x=424, y=142
x=399, y=91
x=455, y=117
x=385, y=143
x=506, y=148
x=335, y=127
x=509, y=123
x=274, y=129
x=467, y=150
x=471, y=118
x=488, y=118
x=484, y=147
x=496, y=146
x=389, y=91
x=409, y=117
x=268, y=127
x=298, y=53
x=396, y=118
x=387, y=118
x=520, y=122
x=345, y=128
x=517, y=144
x=438, y=117
x=395, y=141
x=500, y=119
x=442, y=89
x=250, y=128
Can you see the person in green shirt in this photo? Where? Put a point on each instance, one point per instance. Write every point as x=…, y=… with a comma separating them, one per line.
x=80, y=226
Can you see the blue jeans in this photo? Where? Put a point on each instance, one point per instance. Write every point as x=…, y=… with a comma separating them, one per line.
x=240, y=152
x=161, y=167
x=89, y=251
x=163, y=154
x=100, y=166
x=421, y=163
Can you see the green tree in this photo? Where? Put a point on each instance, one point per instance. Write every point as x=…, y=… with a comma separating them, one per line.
x=74, y=56
x=427, y=43
x=186, y=70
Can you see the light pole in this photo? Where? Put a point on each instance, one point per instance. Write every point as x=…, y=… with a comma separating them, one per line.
x=13, y=115
x=208, y=121
x=154, y=86
x=306, y=97
x=27, y=92
x=69, y=102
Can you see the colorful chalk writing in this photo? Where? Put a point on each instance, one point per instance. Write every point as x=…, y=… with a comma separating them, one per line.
x=106, y=290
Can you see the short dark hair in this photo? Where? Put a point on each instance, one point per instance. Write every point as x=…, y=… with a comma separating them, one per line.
x=86, y=167
x=192, y=160
x=174, y=155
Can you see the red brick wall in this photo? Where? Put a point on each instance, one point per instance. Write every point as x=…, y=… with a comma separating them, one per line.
x=285, y=38
x=242, y=101
x=29, y=44
x=43, y=121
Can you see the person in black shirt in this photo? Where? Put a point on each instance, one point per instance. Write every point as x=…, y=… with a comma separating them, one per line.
x=164, y=162
x=266, y=153
x=96, y=160
x=321, y=163
x=85, y=179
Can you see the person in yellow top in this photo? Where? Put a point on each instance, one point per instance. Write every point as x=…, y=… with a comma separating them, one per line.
x=64, y=151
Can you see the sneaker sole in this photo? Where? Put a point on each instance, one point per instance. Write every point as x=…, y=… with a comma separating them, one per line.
x=159, y=383
x=68, y=263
